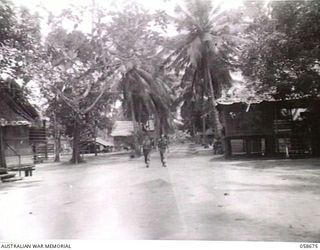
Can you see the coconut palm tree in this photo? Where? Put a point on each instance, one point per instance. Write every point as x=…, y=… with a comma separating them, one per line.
x=204, y=50
x=139, y=49
x=146, y=95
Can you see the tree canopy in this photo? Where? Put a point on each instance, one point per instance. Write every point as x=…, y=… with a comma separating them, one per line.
x=204, y=53
x=128, y=56
x=283, y=52
x=140, y=49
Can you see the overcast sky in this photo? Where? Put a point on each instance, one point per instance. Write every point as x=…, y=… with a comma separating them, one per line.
x=57, y=5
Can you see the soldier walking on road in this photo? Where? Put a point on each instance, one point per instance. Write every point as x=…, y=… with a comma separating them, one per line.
x=163, y=146
x=146, y=148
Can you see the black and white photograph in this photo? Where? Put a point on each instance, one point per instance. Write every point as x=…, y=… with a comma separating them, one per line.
x=159, y=120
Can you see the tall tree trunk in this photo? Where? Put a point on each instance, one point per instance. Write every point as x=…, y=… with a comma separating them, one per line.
x=57, y=145
x=140, y=122
x=76, y=158
x=217, y=126
x=194, y=133
x=204, y=136
x=57, y=141
x=140, y=114
x=95, y=146
x=134, y=121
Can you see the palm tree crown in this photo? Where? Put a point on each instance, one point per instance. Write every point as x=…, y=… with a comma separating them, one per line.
x=203, y=53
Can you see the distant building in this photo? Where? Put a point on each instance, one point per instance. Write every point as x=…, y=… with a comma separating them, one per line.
x=96, y=145
x=123, y=135
x=65, y=145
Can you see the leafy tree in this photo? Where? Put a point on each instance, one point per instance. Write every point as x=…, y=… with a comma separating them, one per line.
x=195, y=112
x=19, y=42
x=77, y=78
x=283, y=53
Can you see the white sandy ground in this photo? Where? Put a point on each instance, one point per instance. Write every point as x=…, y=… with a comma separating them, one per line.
x=197, y=197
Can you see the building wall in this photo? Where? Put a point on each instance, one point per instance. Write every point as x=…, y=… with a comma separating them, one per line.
x=272, y=128
x=241, y=119
x=16, y=139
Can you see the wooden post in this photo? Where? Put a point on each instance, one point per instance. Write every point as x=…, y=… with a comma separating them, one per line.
x=46, y=140
x=204, y=141
x=228, y=148
x=248, y=143
x=2, y=148
x=194, y=133
x=275, y=130
x=204, y=136
x=95, y=138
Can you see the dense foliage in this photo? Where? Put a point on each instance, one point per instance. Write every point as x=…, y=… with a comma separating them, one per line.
x=128, y=56
x=284, y=49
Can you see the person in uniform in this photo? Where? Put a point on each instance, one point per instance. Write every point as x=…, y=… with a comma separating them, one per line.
x=146, y=148
x=163, y=146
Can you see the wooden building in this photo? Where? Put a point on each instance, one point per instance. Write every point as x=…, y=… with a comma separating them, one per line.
x=270, y=127
x=123, y=135
x=39, y=141
x=96, y=145
x=16, y=118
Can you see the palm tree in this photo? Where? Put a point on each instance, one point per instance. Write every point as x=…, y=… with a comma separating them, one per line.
x=146, y=95
x=139, y=50
x=204, y=50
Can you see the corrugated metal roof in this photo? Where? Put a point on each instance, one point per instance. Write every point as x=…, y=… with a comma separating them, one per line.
x=244, y=94
x=122, y=128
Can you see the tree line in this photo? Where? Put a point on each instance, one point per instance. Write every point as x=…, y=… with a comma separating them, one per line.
x=129, y=55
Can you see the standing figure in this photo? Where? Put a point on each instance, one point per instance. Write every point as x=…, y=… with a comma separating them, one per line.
x=217, y=146
x=163, y=145
x=146, y=147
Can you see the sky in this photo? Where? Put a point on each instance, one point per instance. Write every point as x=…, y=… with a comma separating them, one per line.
x=56, y=6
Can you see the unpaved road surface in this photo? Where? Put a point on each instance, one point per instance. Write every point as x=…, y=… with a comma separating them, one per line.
x=197, y=197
